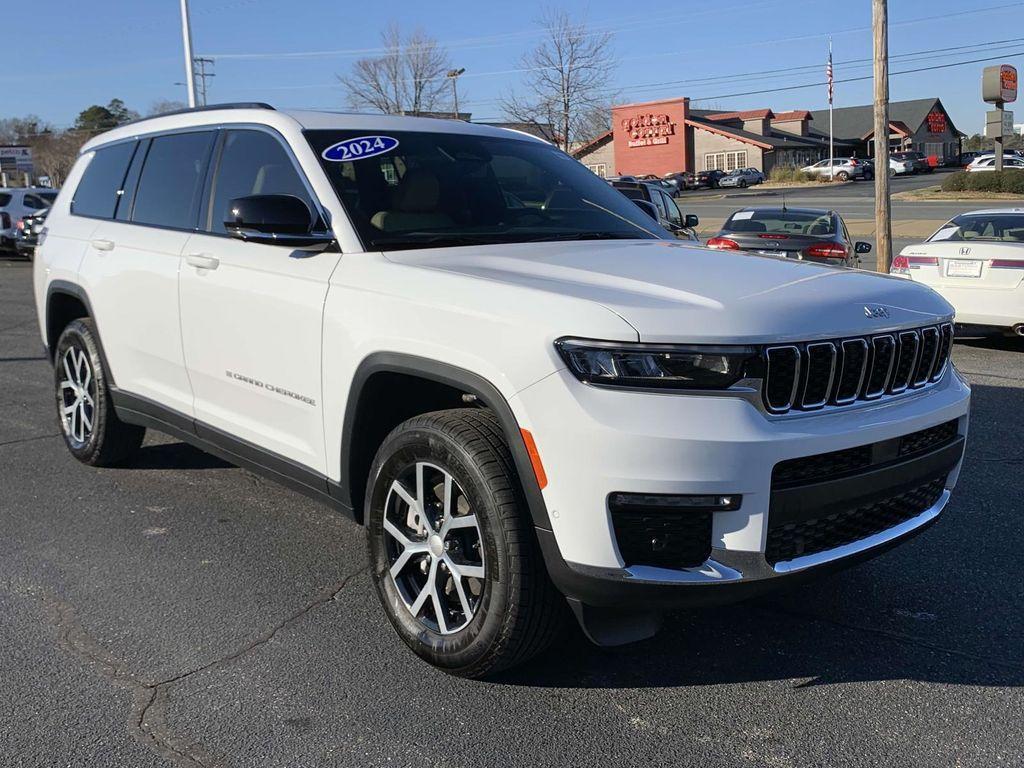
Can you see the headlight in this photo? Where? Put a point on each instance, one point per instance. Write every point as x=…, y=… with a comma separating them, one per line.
x=659, y=366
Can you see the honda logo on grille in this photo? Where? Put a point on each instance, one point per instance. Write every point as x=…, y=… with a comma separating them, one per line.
x=876, y=312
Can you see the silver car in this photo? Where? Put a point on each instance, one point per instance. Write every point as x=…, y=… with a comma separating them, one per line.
x=839, y=168
x=742, y=177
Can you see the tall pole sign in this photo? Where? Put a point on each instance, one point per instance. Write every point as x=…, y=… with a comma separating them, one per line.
x=186, y=39
x=998, y=87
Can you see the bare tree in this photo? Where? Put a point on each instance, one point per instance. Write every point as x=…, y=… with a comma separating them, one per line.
x=408, y=78
x=163, y=106
x=567, y=78
x=55, y=152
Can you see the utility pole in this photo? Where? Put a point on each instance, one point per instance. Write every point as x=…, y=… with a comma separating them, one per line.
x=202, y=62
x=453, y=75
x=186, y=37
x=883, y=208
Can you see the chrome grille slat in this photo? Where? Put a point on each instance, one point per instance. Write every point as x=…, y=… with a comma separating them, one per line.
x=822, y=350
x=808, y=376
x=930, y=340
x=877, y=381
x=909, y=344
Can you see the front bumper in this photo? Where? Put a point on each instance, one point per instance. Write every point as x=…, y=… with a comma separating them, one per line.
x=595, y=442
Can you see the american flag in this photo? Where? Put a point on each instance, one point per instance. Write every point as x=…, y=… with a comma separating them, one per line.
x=828, y=74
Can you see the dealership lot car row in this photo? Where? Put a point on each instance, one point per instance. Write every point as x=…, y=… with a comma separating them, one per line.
x=535, y=399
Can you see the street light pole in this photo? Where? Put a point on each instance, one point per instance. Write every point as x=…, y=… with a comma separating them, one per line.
x=883, y=209
x=453, y=75
x=186, y=36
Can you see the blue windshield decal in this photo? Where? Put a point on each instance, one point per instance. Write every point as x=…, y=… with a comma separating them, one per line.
x=359, y=148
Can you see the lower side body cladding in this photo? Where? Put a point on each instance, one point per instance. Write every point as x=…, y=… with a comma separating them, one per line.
x=764, y=510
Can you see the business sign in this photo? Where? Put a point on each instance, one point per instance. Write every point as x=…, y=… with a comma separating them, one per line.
x=647, y=130
x=16, y=160
x=999, y=84
x=936, y=121
x=998, y=123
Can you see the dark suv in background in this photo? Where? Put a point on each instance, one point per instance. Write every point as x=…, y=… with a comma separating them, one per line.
x=807, y=234
x=658, y=203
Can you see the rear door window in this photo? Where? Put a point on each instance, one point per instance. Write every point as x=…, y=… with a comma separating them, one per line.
x=252, y=163
x=97, y=192
x=172, y=180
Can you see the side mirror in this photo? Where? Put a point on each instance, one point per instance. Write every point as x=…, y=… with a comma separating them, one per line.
x=862, y=247
x=283, y=220
x=690, y=221
x=649, y=208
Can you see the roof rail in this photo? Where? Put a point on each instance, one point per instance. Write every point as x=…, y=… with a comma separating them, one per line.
x=206, y=108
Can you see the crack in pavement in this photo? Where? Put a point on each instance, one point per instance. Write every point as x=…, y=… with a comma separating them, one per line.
x=147, y=720
x=21, y=440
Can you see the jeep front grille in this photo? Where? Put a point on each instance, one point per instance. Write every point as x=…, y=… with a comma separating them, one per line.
x=811, y=375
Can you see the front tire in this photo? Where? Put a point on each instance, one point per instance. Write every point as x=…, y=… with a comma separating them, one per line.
x=91, y=429
x=453, y=555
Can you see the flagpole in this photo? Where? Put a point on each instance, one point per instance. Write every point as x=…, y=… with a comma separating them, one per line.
x=831, y=147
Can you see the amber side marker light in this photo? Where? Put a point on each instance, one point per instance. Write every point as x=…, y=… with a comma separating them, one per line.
x=538, y=467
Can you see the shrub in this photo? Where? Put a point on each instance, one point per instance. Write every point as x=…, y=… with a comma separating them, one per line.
x=956, y=182
x=788, y=173
x=1010, y=180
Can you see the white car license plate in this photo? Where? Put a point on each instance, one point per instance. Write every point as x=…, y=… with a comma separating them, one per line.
x=963, y=268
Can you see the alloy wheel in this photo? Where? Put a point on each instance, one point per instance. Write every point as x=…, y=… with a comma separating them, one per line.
x=434, y=548
x=77, y=395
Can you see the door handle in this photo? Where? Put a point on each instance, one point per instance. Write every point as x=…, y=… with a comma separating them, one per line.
x=202, y=261
x=103, y=245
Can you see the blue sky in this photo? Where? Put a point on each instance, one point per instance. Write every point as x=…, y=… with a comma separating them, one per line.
x=93, y=51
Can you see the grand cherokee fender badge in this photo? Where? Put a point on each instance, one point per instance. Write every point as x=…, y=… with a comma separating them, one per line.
x=270, y=387
x=876, y=312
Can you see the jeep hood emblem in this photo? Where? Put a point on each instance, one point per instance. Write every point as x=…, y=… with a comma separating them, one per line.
x=876, y=312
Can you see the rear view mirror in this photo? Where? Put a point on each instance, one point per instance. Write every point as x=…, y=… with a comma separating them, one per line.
x=862, y=247
x=690, y=221
x=283, y=220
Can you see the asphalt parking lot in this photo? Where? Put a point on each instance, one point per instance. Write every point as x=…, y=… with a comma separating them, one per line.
x=181, y=611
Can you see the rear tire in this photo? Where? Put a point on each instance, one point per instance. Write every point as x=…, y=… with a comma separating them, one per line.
x=843, y=176
x=85, y=411
x=466, y=589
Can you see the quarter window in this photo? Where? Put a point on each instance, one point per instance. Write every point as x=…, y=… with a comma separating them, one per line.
x=172, y=180
x=97, y=192
x=252, y=163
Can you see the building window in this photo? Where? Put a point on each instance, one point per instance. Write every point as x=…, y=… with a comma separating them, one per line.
x=725, y=161
x=601, y=169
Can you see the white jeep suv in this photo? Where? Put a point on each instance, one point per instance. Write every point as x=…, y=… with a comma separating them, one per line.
x=528, y=393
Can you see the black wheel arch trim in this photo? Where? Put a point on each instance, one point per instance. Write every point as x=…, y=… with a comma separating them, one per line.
x=67, y=288
x=453, y=376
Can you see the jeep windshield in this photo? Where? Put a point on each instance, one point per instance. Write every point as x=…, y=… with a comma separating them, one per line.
x=411, y=189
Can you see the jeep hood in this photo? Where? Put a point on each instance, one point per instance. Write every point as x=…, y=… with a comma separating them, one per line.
x=672, y=291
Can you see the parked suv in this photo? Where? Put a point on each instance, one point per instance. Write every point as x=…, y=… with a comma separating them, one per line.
x=15, y=204
x=838, y=168
x=530, y=397
x=657, y=203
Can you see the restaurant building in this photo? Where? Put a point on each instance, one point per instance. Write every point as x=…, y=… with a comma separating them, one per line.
x=668, y=136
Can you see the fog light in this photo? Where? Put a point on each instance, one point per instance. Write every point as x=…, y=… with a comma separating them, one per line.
x=672, y=501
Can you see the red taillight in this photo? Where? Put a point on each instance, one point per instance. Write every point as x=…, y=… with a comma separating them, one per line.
x=899, y=264
x=1008, y=263
x=723, y=244
x=825, y=251
x=20, y=225
x=774, y=237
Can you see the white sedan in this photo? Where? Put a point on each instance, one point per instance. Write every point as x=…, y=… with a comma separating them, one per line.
x=976, y=262
x=989, y=163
